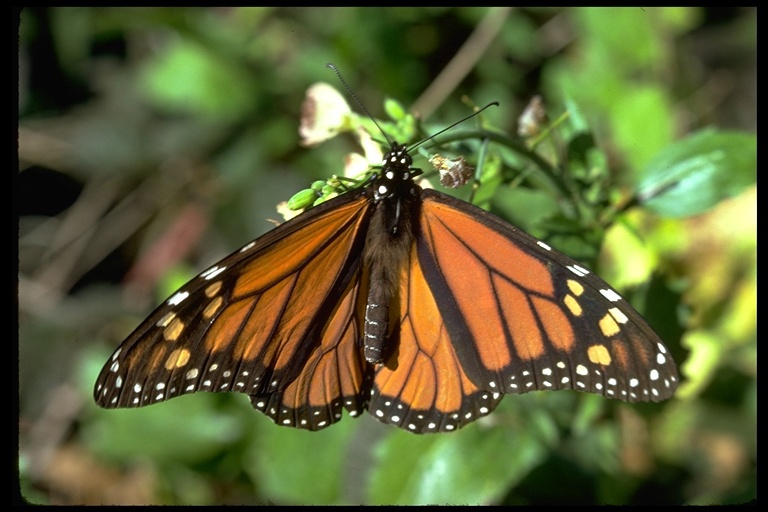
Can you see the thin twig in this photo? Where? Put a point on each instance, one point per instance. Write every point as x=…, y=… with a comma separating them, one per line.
x=462, y=63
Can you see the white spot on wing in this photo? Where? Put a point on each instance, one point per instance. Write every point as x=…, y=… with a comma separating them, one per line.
x=578, y=270
x=178, y=298
x=247, y=246
x=610, y=295
x=212, y=272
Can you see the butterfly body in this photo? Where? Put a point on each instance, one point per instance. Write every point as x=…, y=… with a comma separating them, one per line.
x=413, y=305
x=389, y=238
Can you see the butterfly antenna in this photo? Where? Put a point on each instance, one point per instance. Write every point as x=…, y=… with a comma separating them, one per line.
x=492, y=104
x=360, y=103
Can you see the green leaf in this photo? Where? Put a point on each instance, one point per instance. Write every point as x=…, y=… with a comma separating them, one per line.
x=473, y=466
x=694, y=174
x=626, y=260
x=192, y=429
x=291, y=466
x=642, y=121
x=525, y=208
x=186, y=77
x=395, y=109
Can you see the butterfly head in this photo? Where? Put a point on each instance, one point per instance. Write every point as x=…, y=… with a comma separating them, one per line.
x=397, y=175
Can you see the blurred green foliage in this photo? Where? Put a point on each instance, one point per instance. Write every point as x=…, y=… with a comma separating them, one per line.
x=153, y=141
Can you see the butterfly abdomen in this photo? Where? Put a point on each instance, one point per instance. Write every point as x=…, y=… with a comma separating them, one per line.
x=386, y=255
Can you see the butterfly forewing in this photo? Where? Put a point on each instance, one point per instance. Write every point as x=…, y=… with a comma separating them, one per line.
x=235, y=326
x=538, y=319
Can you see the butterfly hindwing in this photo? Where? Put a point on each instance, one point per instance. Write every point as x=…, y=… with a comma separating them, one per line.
x=423, y=386
x=333, y=376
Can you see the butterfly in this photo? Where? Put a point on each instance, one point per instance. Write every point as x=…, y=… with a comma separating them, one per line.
x=405, y=302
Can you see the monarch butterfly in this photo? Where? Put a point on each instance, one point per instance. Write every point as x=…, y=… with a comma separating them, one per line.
x=416, y=306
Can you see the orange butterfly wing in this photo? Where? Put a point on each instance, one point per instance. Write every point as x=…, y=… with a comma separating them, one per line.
x=483, y=309
x=423, y=386
x=331, y=378
x=487, y=310
x=284, y=332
